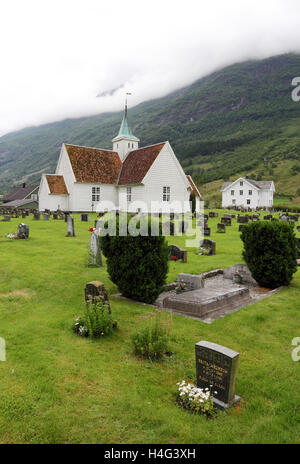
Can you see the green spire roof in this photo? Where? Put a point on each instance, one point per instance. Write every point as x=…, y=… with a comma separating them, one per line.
x=125, y=131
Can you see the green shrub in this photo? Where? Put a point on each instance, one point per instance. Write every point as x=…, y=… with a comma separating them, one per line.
x=270, y=251
x=151, y=340
x=97, y=320
x=138, y=265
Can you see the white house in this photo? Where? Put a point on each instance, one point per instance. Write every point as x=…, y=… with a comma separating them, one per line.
x=248, y=193
x=129, y=177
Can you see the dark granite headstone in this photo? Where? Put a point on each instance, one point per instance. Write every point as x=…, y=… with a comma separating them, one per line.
x=206, y=231
x=221, y=227
x=178, y=252
x=243, y=219
x=84, y=217
x=226, y=221
x=216, y=368
x=208, y=245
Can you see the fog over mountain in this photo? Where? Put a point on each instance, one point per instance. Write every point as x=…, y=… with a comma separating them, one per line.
x=58, y=56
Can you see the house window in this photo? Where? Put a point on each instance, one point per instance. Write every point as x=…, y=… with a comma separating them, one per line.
x=95, y=193
x=248, y=202
x=34, y=196
x=241, y=183
x=128, y=145
x=166, y=193
x=232, y=192
x=233, y=202
x=129, y=194
x=241, y=192
x=250, y=192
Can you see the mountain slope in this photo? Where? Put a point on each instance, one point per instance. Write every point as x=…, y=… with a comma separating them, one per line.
x=239, y=119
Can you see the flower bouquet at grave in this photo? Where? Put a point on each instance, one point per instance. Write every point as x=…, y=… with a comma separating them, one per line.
x=196, y=400
x=181, y=287
x=97, y=321
x=174, y=258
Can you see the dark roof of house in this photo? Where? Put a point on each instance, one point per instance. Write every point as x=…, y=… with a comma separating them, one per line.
x=260, y=184
x=19, y=193
x=137, y=164
x=193, y=186
x=19, y=203
x=57, y=185
x=93, y=165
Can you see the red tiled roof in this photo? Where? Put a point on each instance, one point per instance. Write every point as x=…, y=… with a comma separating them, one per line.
x=137, y=164
x=94, y=165
x=193, y=186
x=57, y=185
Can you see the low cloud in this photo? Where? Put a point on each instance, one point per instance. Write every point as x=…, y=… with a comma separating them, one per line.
x=57, y=56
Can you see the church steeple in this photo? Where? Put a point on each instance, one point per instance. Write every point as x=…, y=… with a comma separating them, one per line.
x=125, y=141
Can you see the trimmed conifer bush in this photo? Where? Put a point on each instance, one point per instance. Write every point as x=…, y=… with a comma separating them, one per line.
x=138, y=265
x=270, y=251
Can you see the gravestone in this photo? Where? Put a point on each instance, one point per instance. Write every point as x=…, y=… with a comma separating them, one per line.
x=191, y=281
x=23, y=231
x=96, y=289
x=178, y=252
x=46, y=216
x=6, y=218
x=221, y=227
x=70, y=226
x=36, y=215
x=216, y=368
x=24, y=214
x=206, y=231
x=168, y=228
x=243, y=219
x=55, y=216
x=84, y=217
x=182, y=227
x=268, y=217
x=208, y=245
x=95, y=251
x=226, y=221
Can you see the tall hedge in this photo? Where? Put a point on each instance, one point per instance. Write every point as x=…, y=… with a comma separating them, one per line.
x=270, y=251
x=138, y=265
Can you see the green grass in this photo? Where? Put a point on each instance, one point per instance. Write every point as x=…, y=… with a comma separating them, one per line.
x=57, y=387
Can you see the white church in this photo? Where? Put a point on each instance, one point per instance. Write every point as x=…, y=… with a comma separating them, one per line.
x=147, y=179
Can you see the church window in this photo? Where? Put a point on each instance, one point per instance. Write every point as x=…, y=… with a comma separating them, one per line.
x=241, y=192
x=129, y=194
x=95, y=193
x=232, y=192
x=128, y=145
x=248, y=202
x=166, y=193
x=241, y=183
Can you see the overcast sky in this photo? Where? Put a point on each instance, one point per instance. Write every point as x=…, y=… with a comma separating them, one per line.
x=56, y=56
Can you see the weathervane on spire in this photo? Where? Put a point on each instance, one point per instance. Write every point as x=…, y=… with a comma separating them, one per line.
x=127, y=93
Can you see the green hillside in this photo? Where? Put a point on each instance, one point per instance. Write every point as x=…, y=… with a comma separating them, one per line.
x=239, y=120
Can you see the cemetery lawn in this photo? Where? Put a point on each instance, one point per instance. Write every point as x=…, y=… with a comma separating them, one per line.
x=56, y=387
